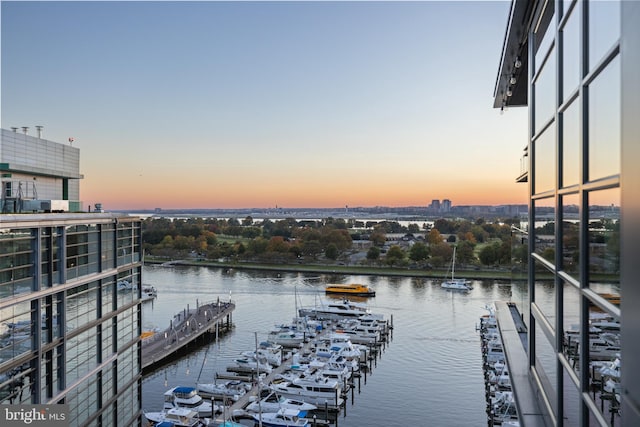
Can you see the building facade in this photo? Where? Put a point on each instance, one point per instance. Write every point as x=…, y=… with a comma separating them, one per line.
x=575, y=64
x=70, y=318
x=37, y=174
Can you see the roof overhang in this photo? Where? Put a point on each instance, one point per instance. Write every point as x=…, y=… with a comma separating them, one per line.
x=511, y=87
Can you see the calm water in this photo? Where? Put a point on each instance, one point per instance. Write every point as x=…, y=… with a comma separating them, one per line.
x=429, y=374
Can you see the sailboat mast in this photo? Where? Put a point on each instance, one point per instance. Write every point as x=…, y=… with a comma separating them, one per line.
x=453, y=263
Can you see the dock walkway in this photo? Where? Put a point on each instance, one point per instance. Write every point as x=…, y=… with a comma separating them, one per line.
x=184, y=328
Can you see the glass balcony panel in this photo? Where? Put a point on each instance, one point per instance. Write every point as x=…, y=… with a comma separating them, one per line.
x=546, y=366
x=545, y=299
x=571, y=324
x=605, y=363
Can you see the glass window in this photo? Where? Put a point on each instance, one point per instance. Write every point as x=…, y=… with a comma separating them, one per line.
x=545, y=92
x=604, y=239
x=604, y=122
x=545, y=228
x=571, y=234
x=571, y=57
x=604, y=28
x=571, y=145
x=545, y=161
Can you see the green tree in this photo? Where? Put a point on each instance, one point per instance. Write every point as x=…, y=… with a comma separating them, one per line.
x=332, y=251
x=373, y=254
x=395, y=256
x=464, y=252
x=378, y=237
x=418, y=252
x=413, y=228
x=488, y=255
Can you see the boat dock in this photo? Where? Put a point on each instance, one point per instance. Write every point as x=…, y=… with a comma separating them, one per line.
x=186, y=327
x=367, y=361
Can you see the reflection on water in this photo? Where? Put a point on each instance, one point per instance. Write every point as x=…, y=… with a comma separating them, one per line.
x=432, y=364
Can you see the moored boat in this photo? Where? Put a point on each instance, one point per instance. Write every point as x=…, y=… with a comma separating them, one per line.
x=350, y=289
x=178, y=417
x=273, y=402
x=453, y=283
x=282, y=418
x=187, y=397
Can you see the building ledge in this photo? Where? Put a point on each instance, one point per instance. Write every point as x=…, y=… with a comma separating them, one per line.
x=513, y=333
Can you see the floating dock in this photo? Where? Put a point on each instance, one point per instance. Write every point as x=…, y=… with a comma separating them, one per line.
x=186, y=327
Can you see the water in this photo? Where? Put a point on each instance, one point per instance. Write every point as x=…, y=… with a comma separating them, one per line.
x=429, y=374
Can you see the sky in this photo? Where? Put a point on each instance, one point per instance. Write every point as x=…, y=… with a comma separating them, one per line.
x=264, y=104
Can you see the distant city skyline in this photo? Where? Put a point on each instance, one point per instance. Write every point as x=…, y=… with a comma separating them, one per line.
x=261, y=104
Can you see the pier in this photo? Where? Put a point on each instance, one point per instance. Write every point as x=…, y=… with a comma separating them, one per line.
x=367, y=361
x=186, y=327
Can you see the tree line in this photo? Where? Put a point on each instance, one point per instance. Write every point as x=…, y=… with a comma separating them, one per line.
x=332, y=240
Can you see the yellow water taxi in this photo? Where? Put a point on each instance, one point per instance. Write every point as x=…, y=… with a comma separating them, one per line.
x=351, y=289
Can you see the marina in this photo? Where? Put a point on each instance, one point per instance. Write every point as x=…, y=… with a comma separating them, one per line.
x=317, y=372
x=432, y=361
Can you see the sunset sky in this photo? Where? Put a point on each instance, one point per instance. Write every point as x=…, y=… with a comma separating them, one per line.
x=264, y=104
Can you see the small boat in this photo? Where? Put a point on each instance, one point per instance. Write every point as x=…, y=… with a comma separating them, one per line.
x=148, y=292
x=350, y=289
x=228, y=390
x=453, y=283
x=282, y=418
x=314, y=390
x=188, y=397
x=178, y=417
x=268, y=351
x=273, y=402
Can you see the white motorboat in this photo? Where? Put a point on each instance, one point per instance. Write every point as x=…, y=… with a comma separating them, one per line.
x=268, y=351
x=227, y=390
x=287, y=337
x=178, y=417
x=273, y=402
x=453, y=283
x=148, y=292
x=282, y=418
x=311, y=390
x=337, y=310
x=188, y=397
x=250, y=364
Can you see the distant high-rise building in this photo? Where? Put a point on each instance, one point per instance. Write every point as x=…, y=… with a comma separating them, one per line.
x=446, y=205
x=575, y=65
x=70, y=283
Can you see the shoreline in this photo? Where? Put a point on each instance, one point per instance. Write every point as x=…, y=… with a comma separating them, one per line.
x=346, y=269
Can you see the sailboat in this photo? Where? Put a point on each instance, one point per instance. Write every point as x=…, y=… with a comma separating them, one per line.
x=453, y=283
